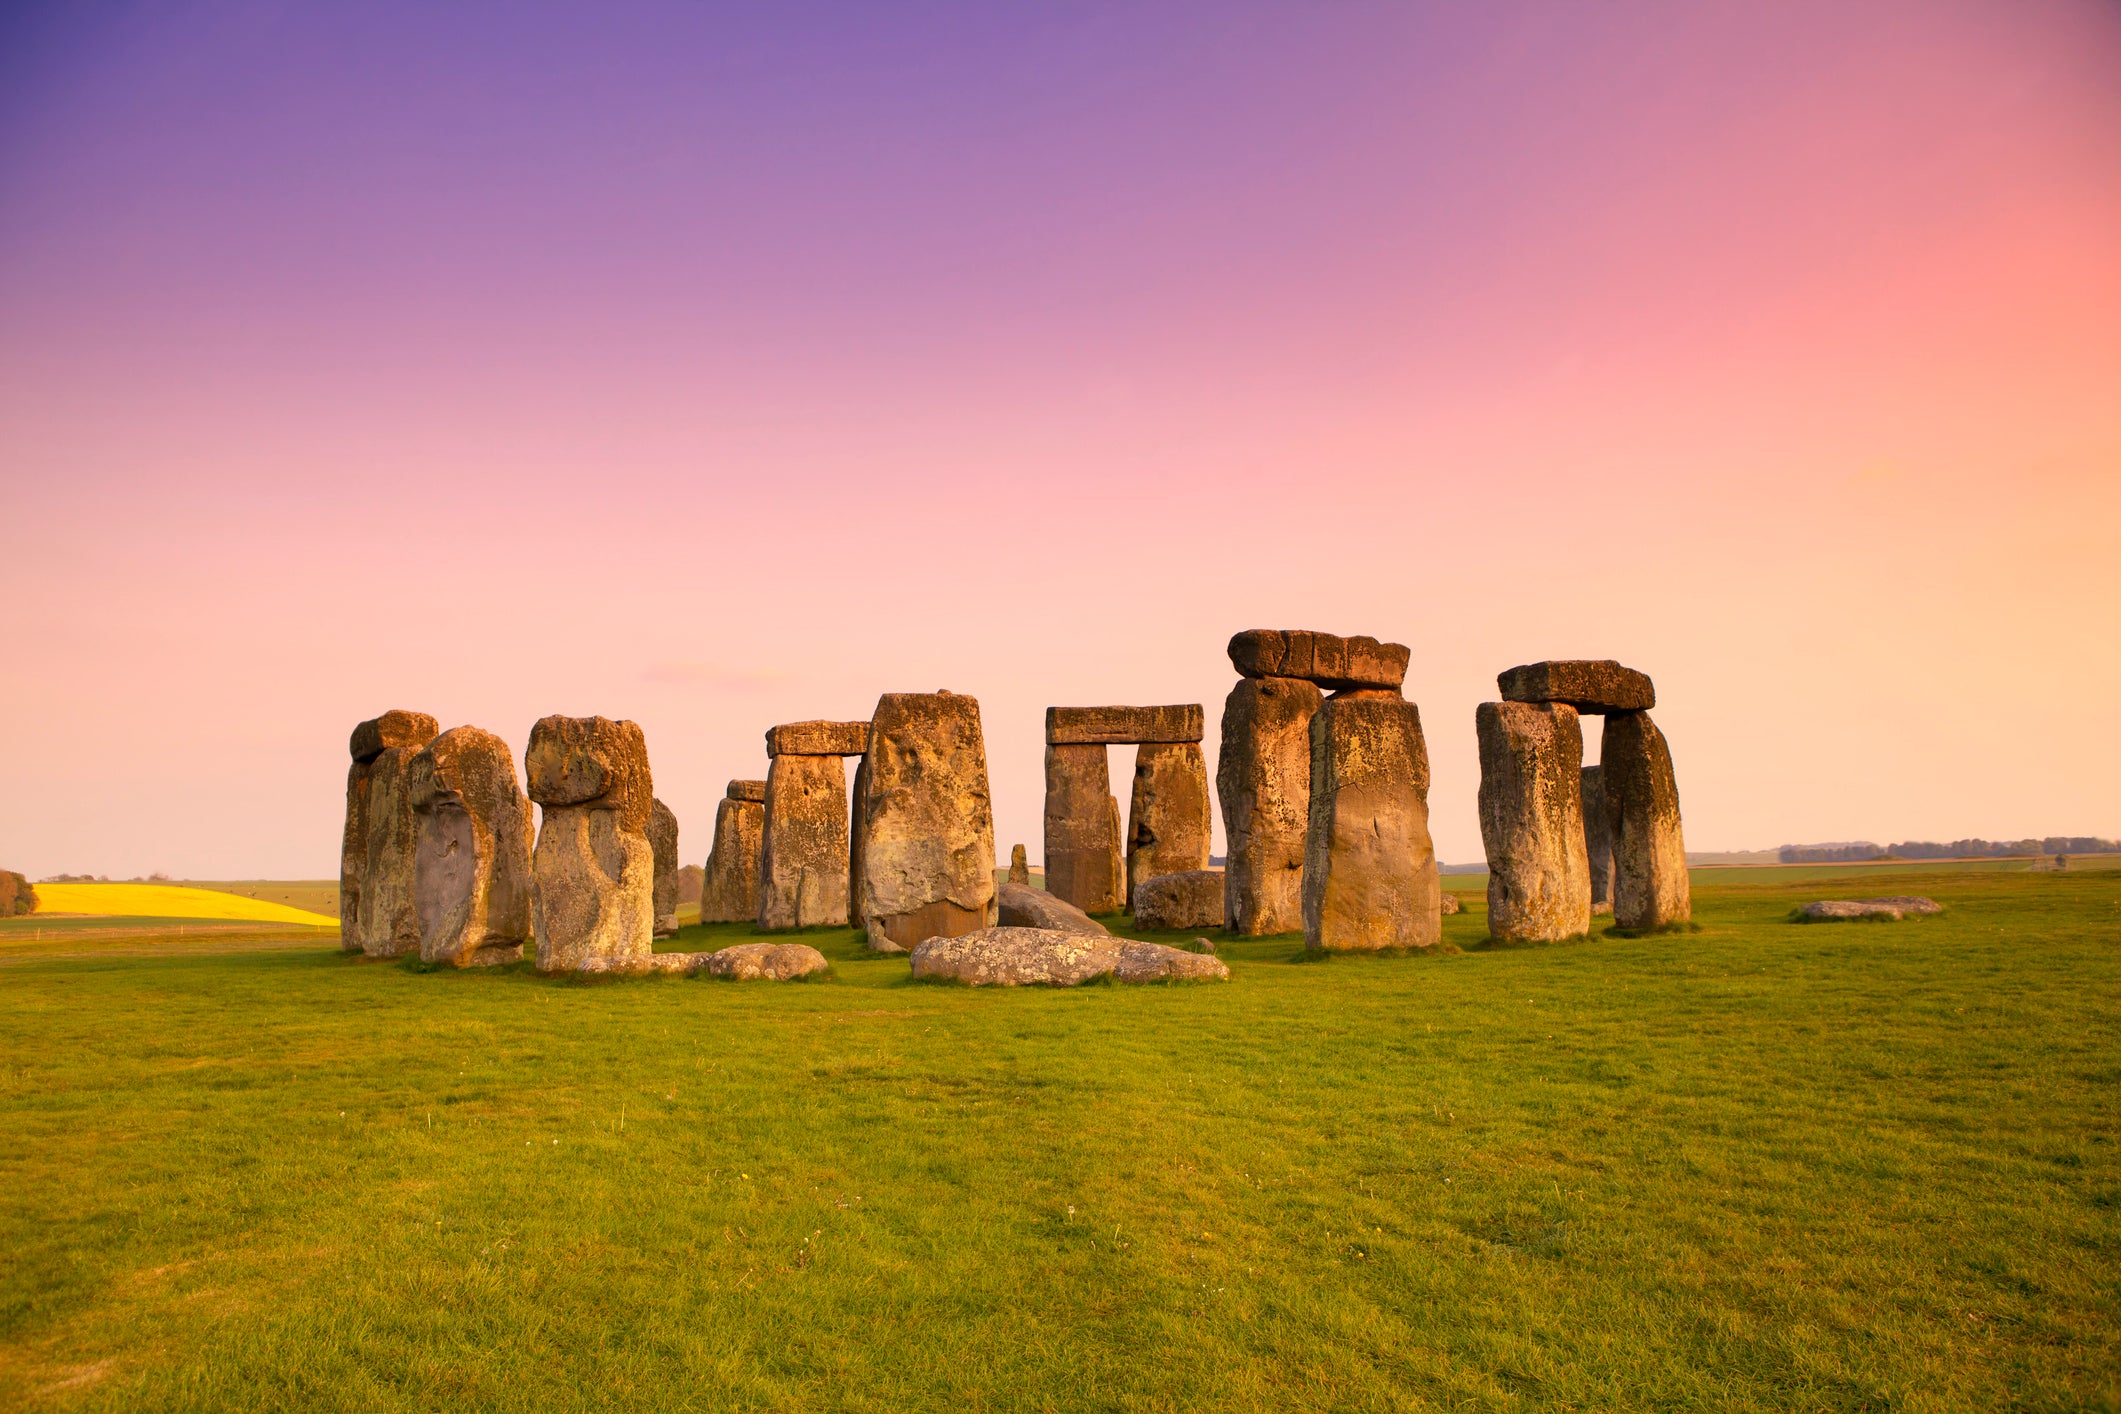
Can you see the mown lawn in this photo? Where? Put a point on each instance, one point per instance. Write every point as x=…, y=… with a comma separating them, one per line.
x=1760, y=1167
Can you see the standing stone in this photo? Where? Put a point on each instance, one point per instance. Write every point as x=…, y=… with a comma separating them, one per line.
x=730, y=891
x=1168, y=820
x=1650, y=885
x=803, y=863
x=471, y=862
x=1083, y=861
x=857, y=842
x=1370, y=880
x=927, y=821
x=1264, y=778
x=663, y=840
x=389, y=918
x=1019, y=866
x=369, y=740
x=1597, y=840
x=1531, y=820
x=593, y=907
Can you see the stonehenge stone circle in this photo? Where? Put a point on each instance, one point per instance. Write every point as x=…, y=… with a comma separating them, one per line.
x=1531, y=820
x=1597, y=840
x=1021, y=906
x=1650, y=884
x=1124, y=726
x=927, y=821
x=1193, y=899
x=1019, y=867
x=471, y=859
x=663, y=840
x=730, y=891
x=1168, y=821
x=1020, y=957
x=593, y=907
x=1084, y=865
x=370, y=739
x=1370, y=881
x=1333, y=662
x=1263, y=776
x=803, y=861
x=1591, y=686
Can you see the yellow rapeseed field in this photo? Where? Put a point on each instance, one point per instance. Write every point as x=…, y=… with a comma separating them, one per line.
x=168, y=901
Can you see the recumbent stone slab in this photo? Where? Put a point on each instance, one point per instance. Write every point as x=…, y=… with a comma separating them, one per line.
x=1331, y=661
x=746, y=790
x=1264, y=778
x=1124, y=726
x=1531, y=820
x=1591, y=686
x=1021, y=957
x=927, y=821
x=593, y=907
x=1370, y=877
x=471, y=860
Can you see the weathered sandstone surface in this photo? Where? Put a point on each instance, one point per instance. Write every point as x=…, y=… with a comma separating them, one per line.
x=818, y=739
x=593, y=906
x=1370, y=878
x=1531, y=820
x=1893, y=909
x=1168, y=821
x=1084, y=865
x=1264, y=778
x=1650, y=884
x=1333, y=662
x=927, y=821
x=1019, y=867
x=370, y=739
x=1021, y=906
x=1122, y=726
x=1193, y=899
x=471, y=858
x=388, y=921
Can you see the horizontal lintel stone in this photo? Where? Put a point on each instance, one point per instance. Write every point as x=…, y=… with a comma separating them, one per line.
x=1596, y=686
x=818, y=739
x=747, y=790
x=1331, y=661
x=1124, y=726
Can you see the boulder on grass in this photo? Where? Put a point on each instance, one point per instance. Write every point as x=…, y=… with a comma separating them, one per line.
x=769, y=962
x=1025, y=957
x=1450, y=904
x=1022, y=906
x=1153, y=962
x=1193, y=899
x=1887, y=909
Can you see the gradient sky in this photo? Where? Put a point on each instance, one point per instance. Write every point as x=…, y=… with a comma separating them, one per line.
x=716, y=366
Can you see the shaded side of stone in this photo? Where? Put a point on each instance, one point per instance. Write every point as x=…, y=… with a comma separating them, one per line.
x=1598, y=839
x=1591, y=686
x=472, y=860
x=1370, y=878
x=1169, y=819
x=1650, y=884
x=1263, y=776
x=1327, y=659
x=928, y=821
x=803, y=863
x=1084, y=865
x=353, y=855
x=389, y=919
x=663, y=842
x=730, y=891
x=1531, y=820
x=857, y=839
x=1193, y=899
x=818, y=739
x=1082, y=726
x=593, y=869
x=1019, y=867
x=1021, y=906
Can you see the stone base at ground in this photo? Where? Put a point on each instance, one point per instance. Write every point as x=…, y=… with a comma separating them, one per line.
x=472, y=857
x=1026, y=957
x=594, y=904
x=1019, y=867
x=1451, y=904
x=1021, y=906
x=1193, y=899
x=1893, y=909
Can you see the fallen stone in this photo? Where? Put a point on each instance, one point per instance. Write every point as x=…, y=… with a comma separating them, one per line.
x=471, y=859
x=1021, y=957
x=1193, y=899
x=1333, y=662
x=370, y=739
x=1597, y=839
x=1893, y=909
x=1370, y=877
x=663, y=842
x=803, y=862
x=1168, y=821
x=729, y=892
x=1084, y=866
x=1082, y=726
x=1264, y=779
x=1019, y=867
x=1650, y=884
x=1206, y=945
x=593, y=906
x=1021, y=906
x=1154, y=962
x=1591, y=686
x=389, y=919
x=1451, y=904
x=818, y=739
x=746, y=790
x=1531, y=820
x=927, y=821
x=765, y=962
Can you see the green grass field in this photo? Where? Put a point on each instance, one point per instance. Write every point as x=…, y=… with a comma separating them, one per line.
x=1759, y=1167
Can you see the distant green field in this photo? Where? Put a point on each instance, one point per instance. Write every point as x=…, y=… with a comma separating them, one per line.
x=1759, y=1167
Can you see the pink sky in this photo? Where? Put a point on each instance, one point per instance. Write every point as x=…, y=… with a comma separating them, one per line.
x=718, y=367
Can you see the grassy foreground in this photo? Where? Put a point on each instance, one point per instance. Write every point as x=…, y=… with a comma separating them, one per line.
x=1763, y=1166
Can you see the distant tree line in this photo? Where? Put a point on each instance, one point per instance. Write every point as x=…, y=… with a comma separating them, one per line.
x=1841, y=853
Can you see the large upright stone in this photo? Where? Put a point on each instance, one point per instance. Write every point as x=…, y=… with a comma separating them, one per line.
x=1650, y=885
x=663, y=840
x=1019, y=866
x=1264, y=778
x=389, y=917
x=927, y=821
x=729, y=892
x=369, y=740
x=803, y=862
x=1370, y=878
x=1531, y=820
x=1597, y=840
x=1591, y=686
x=1168, y=820
x=1123, y=726
x=593, y=908
x=1331, y=661
x=471, y=862
x=1084, y=865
